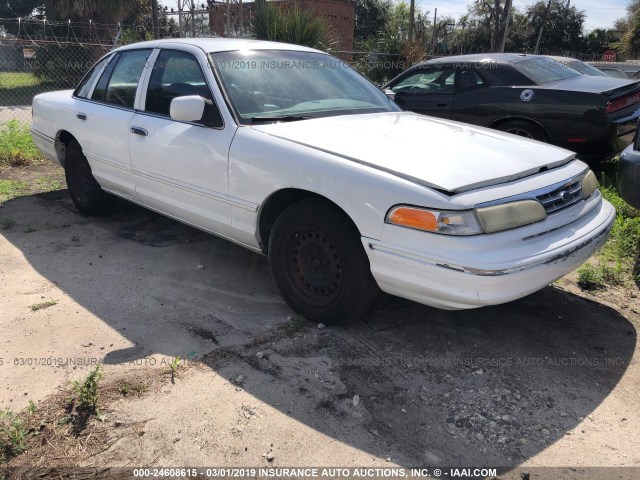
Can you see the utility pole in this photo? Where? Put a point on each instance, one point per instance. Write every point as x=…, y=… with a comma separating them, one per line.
x=544, y=19
x=155, y=26
x=507, y=19
x=241, y=20
x=193, y=19
x=412, y=11
x=435, y=32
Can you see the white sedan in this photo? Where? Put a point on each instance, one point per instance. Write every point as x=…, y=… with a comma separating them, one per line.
x=289, y=152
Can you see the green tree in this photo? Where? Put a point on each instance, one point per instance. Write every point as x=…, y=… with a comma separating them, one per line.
x=101, y=11
x=371, y=18
x=562, y=28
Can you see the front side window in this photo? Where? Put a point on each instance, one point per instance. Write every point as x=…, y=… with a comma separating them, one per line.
x=271, y=85
x=87, y=82
x=429, y=81
x=118, y=83
x=178, y=74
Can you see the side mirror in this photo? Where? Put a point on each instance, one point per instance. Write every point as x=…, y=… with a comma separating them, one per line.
x=390, y=93
x=187, y=109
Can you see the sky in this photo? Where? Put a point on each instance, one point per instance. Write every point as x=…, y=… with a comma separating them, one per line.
x=599, y=13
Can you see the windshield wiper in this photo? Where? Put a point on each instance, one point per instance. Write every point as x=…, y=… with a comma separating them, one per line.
x=282, y=118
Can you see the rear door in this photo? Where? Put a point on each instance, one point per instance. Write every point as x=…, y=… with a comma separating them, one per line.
x=104, y=119
x=428, y=91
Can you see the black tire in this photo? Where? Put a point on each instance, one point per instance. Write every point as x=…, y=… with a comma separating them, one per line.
x=525, y=129
x=319, y=264
x=85, y=191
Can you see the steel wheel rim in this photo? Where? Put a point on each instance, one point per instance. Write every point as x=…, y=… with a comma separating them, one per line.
x=314, y=265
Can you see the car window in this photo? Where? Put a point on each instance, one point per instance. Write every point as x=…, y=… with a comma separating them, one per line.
x=178, y=74
x=118, y=83
x=87, y=82
x=428, y=81
x=545, y=70
x=586, y=69
x=469, y=80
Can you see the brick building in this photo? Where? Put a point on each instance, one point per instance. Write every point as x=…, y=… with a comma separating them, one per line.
x=339, y=14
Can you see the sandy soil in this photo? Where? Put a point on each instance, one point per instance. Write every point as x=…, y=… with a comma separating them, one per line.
x=551, y=380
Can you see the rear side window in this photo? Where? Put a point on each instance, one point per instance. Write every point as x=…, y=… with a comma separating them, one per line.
x=89, y=79
x=118, y=84
x=545, y=70
x=178, y=74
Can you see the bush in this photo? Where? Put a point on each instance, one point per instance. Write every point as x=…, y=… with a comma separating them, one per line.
x=291, y=25
x=16, y=145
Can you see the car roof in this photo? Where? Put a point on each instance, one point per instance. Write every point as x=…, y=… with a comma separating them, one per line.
x=512, y=58
x=220, y=44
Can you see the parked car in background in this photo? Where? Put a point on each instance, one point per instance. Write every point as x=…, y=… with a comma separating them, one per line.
x=628, y=178
x=289, y=152
x=613, y=69
x=527, y=95
x=612, y=72
x=579, y=66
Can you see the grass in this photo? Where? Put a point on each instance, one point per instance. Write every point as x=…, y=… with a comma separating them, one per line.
x=42, y=305
x=137, y=388
x=616, y=264
x=12, y=188
x=16, y=145
x=19, y=88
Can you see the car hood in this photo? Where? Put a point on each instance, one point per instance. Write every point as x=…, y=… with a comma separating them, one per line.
x=590, y=84
x=441, y=154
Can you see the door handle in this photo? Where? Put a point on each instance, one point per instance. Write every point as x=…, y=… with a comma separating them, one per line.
x=81, y=116
x=139, y=131
x=442, y=104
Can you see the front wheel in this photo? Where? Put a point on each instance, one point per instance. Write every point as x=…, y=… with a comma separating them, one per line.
x=85, y=191
x=319, y=264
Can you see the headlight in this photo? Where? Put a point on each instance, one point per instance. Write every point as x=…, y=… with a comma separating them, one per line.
x=510, y=215
x=589, y=184
x=448, y=222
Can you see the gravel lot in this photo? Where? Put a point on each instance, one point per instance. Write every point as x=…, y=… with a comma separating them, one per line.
x=551, y=380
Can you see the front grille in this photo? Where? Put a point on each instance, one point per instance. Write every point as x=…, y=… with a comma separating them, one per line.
x=562, y=197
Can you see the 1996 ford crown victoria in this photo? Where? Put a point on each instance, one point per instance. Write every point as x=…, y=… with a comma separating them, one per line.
x=289, y=152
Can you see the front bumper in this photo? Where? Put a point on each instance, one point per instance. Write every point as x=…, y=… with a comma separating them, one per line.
x=420, y=277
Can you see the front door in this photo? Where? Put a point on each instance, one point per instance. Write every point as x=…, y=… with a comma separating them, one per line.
x=428, y=91
x=180, y=168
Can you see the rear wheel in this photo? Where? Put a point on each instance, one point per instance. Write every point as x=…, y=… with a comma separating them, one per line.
x=319, y=264
x=85, y=191
x=524, y=129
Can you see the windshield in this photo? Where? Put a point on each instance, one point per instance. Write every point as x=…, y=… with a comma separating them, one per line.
x=586, y=69
x=272, y=85
x=545, y=70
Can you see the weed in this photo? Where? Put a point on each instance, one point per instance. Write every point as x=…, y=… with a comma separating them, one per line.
x=86, y=391
x=42, y=305
x=30, y=229
x=590, y=277
x=295, y=325
x=16, y=145
x=173, y=368
x=8, y=223
x=75, y=239
x=13, y=435
x=138, y=388
x=32, y=407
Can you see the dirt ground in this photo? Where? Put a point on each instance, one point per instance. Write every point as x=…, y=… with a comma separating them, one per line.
x=551, y=380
